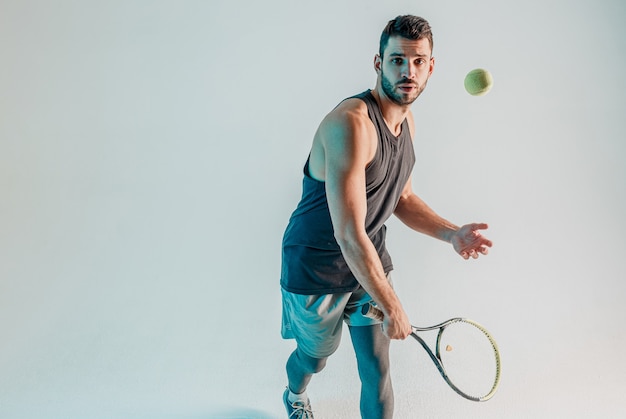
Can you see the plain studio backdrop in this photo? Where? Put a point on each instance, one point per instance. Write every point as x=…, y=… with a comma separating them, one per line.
x=151, y=154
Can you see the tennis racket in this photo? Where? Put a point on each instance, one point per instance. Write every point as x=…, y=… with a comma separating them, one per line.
x=465, y=354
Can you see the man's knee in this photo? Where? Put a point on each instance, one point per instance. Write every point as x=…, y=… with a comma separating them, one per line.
x=311, y=364
x=375, y=369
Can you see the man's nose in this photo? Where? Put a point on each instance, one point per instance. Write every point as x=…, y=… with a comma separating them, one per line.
x=408, y=72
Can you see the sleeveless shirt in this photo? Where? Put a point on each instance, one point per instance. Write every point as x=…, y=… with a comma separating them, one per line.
x=312, y=262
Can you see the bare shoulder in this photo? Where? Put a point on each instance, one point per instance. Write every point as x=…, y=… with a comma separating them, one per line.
x=348, y=122
x=346, y=138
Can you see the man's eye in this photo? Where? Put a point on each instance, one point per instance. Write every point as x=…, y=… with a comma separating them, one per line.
x=396, y=61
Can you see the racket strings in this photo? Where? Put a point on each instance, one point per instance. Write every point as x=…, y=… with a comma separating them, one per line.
x=470, y=358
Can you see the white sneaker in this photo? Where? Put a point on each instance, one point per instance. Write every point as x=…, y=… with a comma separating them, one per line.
x=297, y=409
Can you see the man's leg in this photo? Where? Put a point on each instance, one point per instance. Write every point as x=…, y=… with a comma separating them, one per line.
x=300, y=369
x=315, y=321
x=372, y=353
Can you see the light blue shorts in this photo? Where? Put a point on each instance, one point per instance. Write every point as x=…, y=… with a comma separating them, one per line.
x=315, y=321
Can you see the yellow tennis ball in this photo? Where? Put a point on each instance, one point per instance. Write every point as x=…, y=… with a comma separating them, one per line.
x=478, y=82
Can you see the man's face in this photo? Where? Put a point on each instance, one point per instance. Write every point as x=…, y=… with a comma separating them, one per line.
x=404, y=69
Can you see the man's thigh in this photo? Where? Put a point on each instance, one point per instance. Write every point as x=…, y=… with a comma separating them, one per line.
x=314, y=321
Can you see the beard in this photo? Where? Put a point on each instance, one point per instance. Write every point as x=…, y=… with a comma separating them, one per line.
x=400, y=98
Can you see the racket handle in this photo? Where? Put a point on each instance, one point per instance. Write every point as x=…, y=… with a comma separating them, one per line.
x=369, y=310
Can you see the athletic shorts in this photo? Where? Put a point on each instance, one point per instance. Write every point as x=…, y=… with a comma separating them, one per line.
x=315, y=321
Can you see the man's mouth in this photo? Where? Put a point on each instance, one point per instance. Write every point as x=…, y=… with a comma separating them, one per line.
x=406, y=87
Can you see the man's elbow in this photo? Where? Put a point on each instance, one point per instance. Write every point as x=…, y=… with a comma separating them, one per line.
x=349, y=239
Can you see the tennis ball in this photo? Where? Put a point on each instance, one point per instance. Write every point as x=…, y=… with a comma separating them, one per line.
x=478, y=82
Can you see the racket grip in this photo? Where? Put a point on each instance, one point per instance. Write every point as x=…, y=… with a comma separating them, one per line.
x=369, y=310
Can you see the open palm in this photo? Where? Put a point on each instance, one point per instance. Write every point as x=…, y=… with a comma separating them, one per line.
x=468, y=242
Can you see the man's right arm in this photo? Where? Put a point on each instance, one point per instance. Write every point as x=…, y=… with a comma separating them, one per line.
x=348, y=139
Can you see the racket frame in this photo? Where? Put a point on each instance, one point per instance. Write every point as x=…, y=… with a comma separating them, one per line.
x=373, y=312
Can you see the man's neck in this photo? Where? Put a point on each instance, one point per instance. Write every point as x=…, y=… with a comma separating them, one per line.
x=393, y=114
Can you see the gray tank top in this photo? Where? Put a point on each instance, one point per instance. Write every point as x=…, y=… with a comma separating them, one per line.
x=312, y=262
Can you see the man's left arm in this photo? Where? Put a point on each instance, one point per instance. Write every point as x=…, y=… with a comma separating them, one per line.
x=466, y=240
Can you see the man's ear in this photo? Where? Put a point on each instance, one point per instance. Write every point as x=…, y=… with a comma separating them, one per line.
x=378, y=62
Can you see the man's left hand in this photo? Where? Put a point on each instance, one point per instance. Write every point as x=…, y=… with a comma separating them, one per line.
x=468, y=242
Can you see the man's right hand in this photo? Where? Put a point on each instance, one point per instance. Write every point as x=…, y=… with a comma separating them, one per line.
x=396, y=325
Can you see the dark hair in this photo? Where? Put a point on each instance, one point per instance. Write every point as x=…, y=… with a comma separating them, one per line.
x=407, y=26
